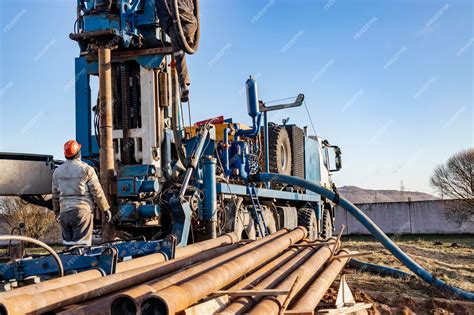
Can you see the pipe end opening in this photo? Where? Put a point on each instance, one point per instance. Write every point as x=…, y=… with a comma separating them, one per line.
x=123, y=305
x=154, y=306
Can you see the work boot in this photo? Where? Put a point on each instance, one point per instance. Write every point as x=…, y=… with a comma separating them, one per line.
x=185, y=94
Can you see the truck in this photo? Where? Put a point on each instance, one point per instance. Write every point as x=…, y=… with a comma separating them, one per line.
x=166, y=180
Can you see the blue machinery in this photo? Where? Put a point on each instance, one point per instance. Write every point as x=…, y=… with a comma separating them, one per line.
x=176, y=181
x=102, y=257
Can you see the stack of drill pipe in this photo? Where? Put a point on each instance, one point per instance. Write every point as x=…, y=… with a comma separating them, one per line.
x=178, y=297
x=296, y=280
x=312, y=295
x=56, y=283
x=102, y=304
x=128, y=302
x=125, y=302
x=243, y=304
x=54, y=299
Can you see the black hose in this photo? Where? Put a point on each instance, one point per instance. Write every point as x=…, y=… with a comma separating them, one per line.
x=179, y=28
x=39, y=243
x=379, y=270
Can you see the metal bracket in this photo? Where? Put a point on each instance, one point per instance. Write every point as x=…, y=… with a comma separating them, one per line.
x=345, y=303
x=108, y=260
x=182, y=220
x=338, y=239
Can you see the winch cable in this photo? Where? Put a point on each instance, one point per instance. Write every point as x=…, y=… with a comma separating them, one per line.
x=372, y=228
x=40, y=244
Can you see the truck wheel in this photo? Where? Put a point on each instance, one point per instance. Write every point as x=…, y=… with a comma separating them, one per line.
x=327, y=224
x=307, y=219
x=280, y=150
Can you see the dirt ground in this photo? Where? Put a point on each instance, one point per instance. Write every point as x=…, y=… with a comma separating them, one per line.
x=450, y=258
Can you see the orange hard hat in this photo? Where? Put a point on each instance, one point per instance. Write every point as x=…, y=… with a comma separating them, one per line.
x=71, y=148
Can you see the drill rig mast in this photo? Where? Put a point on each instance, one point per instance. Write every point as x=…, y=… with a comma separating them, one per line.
x=122, y=42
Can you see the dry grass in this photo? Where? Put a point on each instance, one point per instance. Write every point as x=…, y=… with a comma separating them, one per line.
x=451, y=258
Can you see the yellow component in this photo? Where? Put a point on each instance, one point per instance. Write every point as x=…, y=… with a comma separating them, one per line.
x=219, y=130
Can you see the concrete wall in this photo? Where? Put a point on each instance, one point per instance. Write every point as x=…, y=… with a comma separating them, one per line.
x=418, y=217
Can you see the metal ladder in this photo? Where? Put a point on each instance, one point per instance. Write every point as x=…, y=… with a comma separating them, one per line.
x=257, y=212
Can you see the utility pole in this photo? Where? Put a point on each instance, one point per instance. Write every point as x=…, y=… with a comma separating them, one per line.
x=402, y=191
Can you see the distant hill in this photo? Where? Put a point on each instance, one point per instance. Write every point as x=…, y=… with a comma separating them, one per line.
x=360, y=195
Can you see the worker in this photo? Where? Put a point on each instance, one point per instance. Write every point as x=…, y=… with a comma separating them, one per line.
x=76, y=189
x=189, y=26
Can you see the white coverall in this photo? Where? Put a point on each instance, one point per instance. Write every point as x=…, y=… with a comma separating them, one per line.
x=76, y=189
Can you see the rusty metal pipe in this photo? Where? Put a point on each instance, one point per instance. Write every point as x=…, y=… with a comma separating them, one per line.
x=243, y=304
x=129, y=301
x=106, y=150
x=103, y=303
x=53, y=299
x=303, y=274
x=312, y=295
x=177, y=298
x=264, y=271
x=140, y=262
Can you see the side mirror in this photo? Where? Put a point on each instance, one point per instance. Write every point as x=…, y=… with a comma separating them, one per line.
x=337, y=158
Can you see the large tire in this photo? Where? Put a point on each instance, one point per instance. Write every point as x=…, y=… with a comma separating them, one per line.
x=280, y=150
x=307, y=218
x=327, y=224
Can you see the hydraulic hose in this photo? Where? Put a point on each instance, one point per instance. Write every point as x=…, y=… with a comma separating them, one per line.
x=372, y=228
x=175, y=125
x=378, y=269
x=40, y=244
x=189, y=49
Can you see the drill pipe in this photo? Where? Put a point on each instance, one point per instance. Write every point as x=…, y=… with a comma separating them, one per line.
x=152, y=259
x=128, y=302
x=244, y=303
x=106, y=151
x=312, y=295
x=264, y=271
x=53, y=299
x=177, y=298
x=102, y=304
x=304, y=273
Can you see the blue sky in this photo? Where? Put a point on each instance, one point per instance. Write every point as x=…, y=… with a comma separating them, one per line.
x=390, y=82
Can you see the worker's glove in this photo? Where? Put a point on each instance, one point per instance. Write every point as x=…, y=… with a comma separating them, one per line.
x=108, y=216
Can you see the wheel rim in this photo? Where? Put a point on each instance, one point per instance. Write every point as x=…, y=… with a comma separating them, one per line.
x=283, y=155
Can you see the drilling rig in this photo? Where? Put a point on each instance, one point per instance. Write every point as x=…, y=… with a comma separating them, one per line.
x=181, y=193
x=170, y=185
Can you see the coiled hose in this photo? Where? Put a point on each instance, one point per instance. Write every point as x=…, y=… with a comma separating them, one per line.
x=40, y=244
x=453, y=292
x=189, y=49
